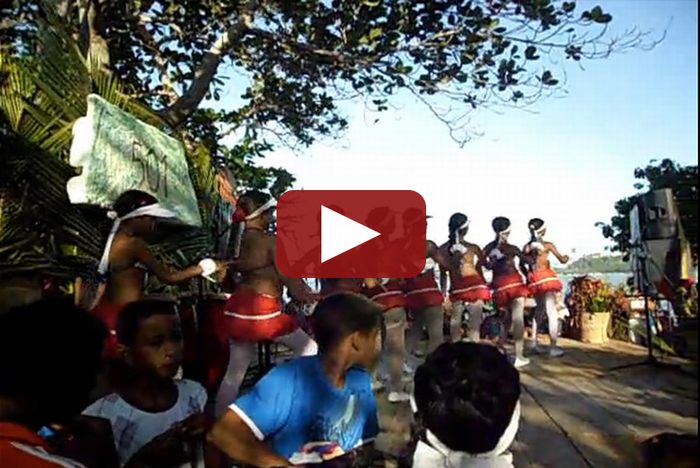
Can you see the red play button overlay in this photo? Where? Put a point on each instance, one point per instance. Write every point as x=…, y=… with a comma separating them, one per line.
x=351, y=233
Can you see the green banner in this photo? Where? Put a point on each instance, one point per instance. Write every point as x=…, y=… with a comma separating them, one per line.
x=117, y=152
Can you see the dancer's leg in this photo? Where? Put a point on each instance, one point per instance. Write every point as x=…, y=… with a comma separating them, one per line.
x=395, y=346
x=299, y=342
x=456, y=321
x=517, y=314
x=241, y=354
x=414, y=334
x=506, y=324
x=476, y=311
x=537, y=318
x=433, y=320
x=553, y=319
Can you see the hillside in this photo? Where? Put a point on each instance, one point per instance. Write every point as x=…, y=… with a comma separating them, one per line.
x=597, y=263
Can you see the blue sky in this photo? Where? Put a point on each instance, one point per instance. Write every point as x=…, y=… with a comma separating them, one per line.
x=566, y=162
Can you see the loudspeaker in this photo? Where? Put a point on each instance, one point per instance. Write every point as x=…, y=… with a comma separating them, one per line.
x=663, y=262
x=658, y=215
x=656, y=231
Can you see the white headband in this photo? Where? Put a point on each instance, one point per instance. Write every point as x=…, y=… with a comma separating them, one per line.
x=465, y=225
x=541, y=229
x=155, y=210
x=271, y=203
x=435, y=454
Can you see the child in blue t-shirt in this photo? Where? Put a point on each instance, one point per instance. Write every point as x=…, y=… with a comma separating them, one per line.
x=313, y=408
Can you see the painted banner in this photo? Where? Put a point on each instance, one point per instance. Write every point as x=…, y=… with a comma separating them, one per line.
x=118, y=152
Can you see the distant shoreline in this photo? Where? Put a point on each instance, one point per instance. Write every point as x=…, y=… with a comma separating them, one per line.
x=583, y=272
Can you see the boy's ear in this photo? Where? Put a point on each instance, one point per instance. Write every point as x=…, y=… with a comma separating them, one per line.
x=354, y=340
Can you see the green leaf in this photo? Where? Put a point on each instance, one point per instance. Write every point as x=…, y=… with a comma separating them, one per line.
x=568, y=7
x=374, y=33
x=531, y=53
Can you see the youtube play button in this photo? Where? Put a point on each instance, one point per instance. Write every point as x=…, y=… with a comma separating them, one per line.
x=340, y=234
x=351, y=233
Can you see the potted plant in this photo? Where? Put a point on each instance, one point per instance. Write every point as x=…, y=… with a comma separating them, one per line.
x=591, y=302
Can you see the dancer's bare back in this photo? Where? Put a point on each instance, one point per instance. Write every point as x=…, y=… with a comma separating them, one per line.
x=257, y=267
x=541, y=255
x=256, y=263
x=463, y=264
x=505, y=263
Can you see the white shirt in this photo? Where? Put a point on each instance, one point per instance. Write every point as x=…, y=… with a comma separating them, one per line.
x=133, y=428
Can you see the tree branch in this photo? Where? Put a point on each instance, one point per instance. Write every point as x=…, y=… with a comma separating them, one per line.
x=193, y=95
x=92, y=32
x=161, y=63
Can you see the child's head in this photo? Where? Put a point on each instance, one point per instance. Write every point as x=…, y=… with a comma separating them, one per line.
x=149, y=337
x=501, y=226
x=466, y=396
x=130, y=201
x=349, y=324
x=255, y=207
x=50, y=354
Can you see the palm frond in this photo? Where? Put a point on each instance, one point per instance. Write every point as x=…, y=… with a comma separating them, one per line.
x=41, y=97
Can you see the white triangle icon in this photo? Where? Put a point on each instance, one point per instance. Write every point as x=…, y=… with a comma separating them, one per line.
x=340, y=234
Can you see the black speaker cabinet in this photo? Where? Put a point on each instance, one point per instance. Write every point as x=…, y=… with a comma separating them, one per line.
x=658, y=215
x=663, y=264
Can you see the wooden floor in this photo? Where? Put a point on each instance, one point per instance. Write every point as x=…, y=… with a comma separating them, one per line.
x=577, y=412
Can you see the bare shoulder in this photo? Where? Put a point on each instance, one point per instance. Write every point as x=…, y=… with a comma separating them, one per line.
x=444, y=247
x=473, y=247
x=510, y=248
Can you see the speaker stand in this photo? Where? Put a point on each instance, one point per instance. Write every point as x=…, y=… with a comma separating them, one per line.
x=650, y=360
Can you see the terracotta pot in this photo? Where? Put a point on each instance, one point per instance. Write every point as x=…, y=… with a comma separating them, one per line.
x=594, y=327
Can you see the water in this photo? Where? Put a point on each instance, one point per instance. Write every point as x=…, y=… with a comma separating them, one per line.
x=615, y=279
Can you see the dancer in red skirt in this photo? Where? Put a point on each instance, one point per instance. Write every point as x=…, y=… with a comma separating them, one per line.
x=509, y=289
x=388, y=294
x=544, y=283
x=423, y=297
x=424, y=302
x=254, y=312
x=127, y=259
x=468, y=289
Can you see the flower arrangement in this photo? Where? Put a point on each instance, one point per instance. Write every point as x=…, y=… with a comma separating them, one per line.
x=590, y=295
x=593, y=296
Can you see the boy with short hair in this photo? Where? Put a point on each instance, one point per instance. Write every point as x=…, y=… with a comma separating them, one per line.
x=466, y=398
x=156, y=421
x=50, y=353
x=312, y=408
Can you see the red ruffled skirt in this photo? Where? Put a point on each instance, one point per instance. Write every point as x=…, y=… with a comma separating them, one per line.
x=422, y=292
x=387, y=297
x=250, y=316
x=508, y=287
x=470, y=288
x=108, y=313
x=544, y=281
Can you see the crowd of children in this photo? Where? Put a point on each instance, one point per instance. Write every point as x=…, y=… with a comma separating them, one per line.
x=309, y=410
